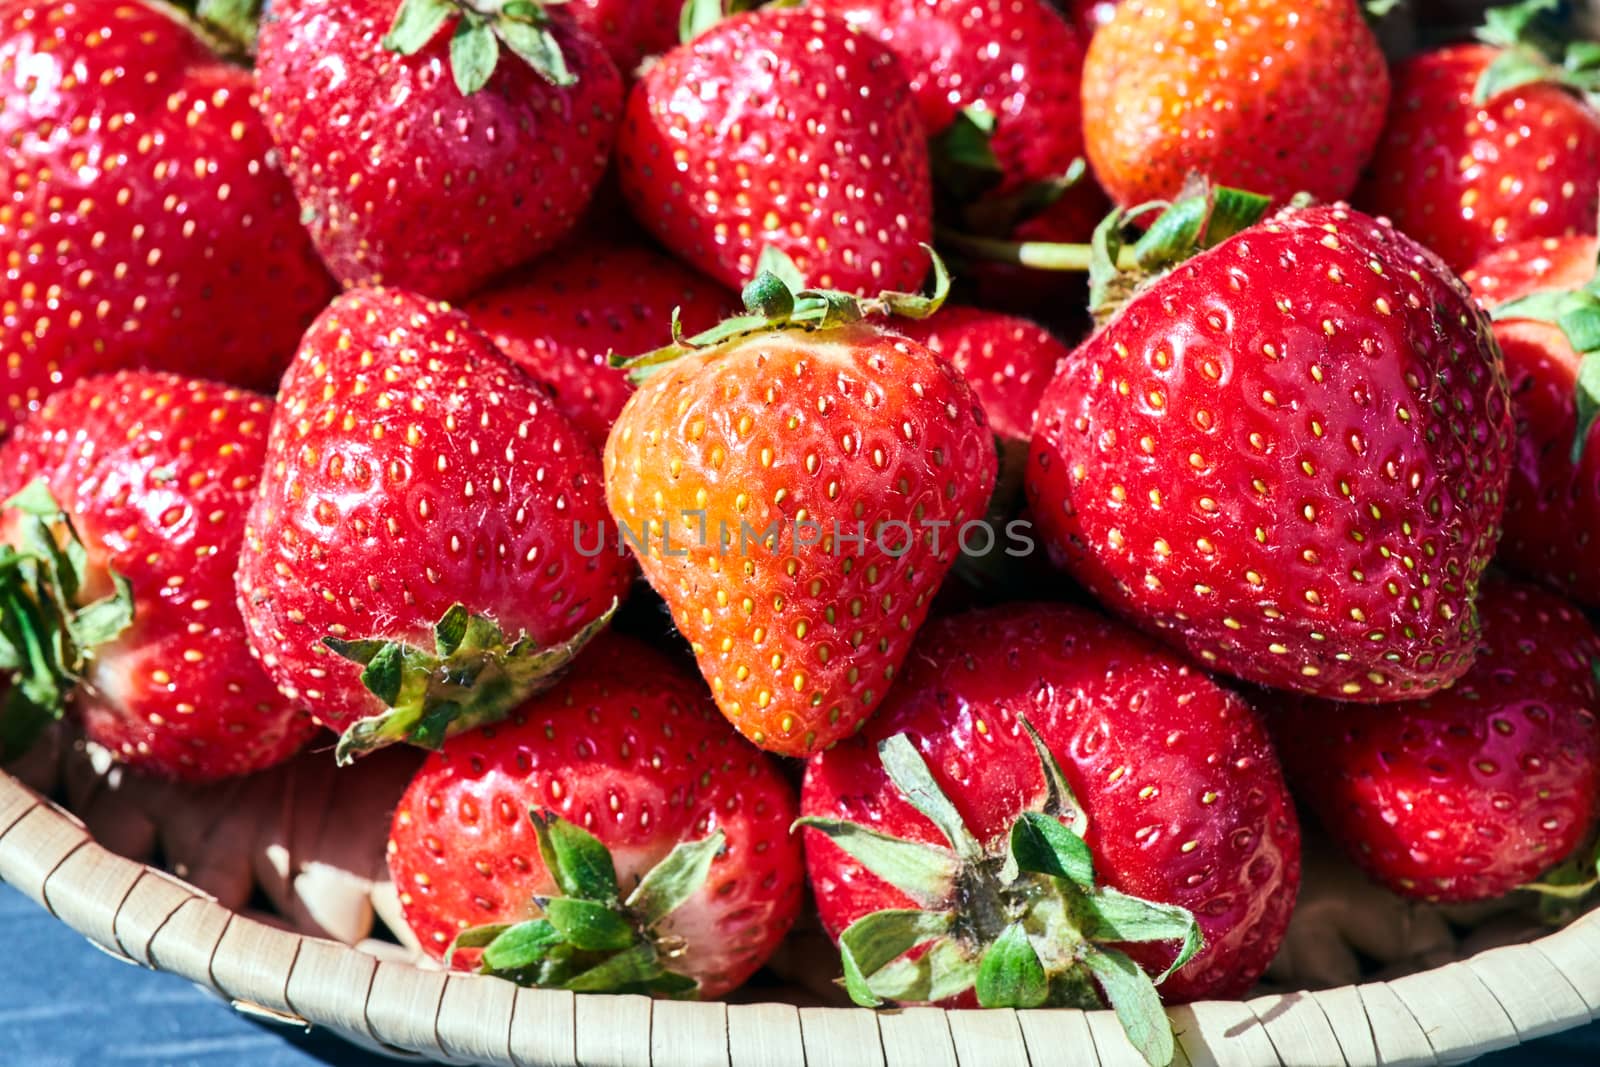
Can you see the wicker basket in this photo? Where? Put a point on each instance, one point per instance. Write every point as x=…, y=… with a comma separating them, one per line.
x=1493, y=1000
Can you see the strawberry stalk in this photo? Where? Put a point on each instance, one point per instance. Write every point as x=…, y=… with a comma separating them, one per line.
x=473, y=675
x=1200, y=219
x=590, y=939
x=778, y=299
x=1020, y=921
x=1577, y=313
x=47, y=636
x=481, y=28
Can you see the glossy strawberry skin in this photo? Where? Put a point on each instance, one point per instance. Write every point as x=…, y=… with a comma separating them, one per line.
x=560, y=318
x=1552, y=506
x=846, y=429
x=723, y=152
x=630, y=30
x=1476, y=790
x=639, y=759
x=156, y=472
x=143, y=220
x=406, y=182
x=411, y=467
x=1008, y=361
x=1019, y=60
x=1289, y=458
x=1524, y=165
x=1236, y=91
x=1185, y=800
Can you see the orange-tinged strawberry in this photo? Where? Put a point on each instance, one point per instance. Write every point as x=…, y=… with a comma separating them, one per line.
x=803, y=484
x=1271, y=97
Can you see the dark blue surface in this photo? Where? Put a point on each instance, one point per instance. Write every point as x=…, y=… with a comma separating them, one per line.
x=64, y=1003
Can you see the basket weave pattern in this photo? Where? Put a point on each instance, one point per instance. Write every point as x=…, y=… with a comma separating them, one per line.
x=1493, y=1000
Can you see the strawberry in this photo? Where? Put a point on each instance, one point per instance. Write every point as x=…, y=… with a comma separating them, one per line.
x=1235, y=91
x=410, y=178
x=1478, y=789
x=1288, y=457
x=784, y=128
x=631, y=30
x=127, y=495
x=559, y=319
x=418, y=558
x=795, y=485
x=997, y=83
x=1090, y=15
x=1008, y=361
x=612, y=835
x=1536, y=288
x=1058, y=794
x=143, y=219
x=1501, y=148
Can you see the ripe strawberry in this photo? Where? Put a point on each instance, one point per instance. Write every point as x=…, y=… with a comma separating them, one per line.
x=1288, y=456
x=631, y=30
x=1050, y=733
x=1554, y=499
x=689, y=880
x=793, y=485
x=559, y=319
x=1485, y=146
x=136, y=623
x=1478, y=789
x=1008, y=361
x=997, y=83
x=1235, y=91
x=411, y=178
x=143, y=220
x=781, y=128
x=424, y=513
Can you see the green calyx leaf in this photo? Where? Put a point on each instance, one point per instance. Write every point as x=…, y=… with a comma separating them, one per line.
x=910, y=774
x=1041, y=845
x=1010, y=974
x=587, y=939
x=473, y=675
x=776, y=299
x=925, y=873
x=521, y=25
x=1059, y=800
x=871, y=942
x=1512, y=24
x=47, y=636
x=1120, y=919
x=1137, y=1004
x=1535, y=48
x=698, y=16
x=964, y=163
x=231, y=25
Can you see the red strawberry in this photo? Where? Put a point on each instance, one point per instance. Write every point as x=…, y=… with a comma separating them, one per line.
x=1007, y=361
x=1014, y=67
x=794, y=490
x=1473, y=159
x=1476, y=790
x=427, y=514
x=631, y=30
x=500, y=820
x=143, y=220
x=153, y=473
x=413, y=178
x=1053, y=730
x=561, y=318
x=1238, y=91
x=1554, y=501
x=1287, y=456
x=1090, y=15
x=784, y=128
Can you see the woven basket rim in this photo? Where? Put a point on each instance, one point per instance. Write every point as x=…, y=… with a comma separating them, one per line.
x=142, y=914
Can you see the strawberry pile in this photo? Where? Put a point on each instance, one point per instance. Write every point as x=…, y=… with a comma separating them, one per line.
x=692, y=429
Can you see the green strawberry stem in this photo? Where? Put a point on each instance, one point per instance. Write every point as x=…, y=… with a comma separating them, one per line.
x=590, y=939
x=1577, y=313
x=523, y=26
x=1020, y=921
x=1202, y=217
x=473, y=675
x=778, y=299
x=1536, y=49
x=47, y=636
